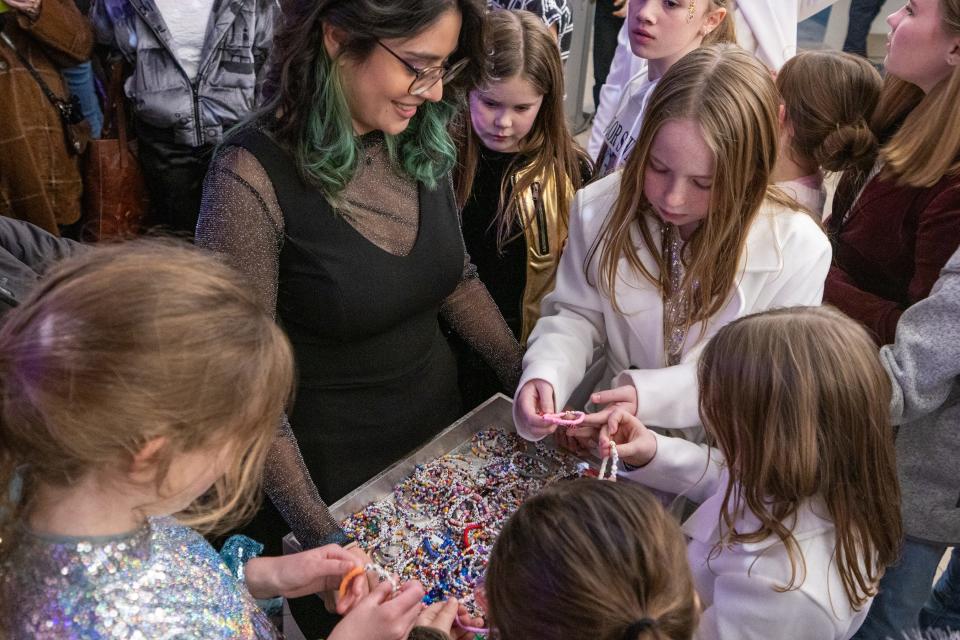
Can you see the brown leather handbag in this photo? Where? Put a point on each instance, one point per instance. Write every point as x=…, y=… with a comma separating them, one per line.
x=115, y=195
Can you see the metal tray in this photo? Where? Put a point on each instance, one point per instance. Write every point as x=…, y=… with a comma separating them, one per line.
x=496, y=412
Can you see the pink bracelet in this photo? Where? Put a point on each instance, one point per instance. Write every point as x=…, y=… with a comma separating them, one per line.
x=483, y=630
x=565, y=418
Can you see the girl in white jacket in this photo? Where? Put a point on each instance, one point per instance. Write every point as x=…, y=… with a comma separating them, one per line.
x=688, y=237
x=799, y=502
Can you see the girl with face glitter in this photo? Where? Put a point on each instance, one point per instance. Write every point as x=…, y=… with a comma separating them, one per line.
x=689, y=236
x=661, y=32
x=113, y=419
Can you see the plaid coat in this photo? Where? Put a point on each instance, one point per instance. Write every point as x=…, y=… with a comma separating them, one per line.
x=39, y=180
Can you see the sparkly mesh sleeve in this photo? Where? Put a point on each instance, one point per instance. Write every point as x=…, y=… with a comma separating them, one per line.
x=472, y=313
x=241, y=218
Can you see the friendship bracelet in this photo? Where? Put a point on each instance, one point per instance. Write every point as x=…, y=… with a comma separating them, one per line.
x=347, y=579
x=614, y=461
x=465, y=627
x=382, y=576
x=439, y=524
x=564, y=418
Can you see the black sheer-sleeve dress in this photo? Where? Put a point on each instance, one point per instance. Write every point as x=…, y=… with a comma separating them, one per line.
x=359, y=286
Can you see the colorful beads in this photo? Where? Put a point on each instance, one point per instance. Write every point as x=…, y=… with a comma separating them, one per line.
x=440, y=523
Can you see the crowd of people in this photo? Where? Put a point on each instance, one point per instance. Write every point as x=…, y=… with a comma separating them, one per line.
x=749, y=281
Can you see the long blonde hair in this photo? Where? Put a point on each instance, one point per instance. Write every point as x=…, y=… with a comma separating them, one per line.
x=731, y=95
x=926, y=146
x=517, y=43
x=132, y=342
x=587, y=559
x=798, y=403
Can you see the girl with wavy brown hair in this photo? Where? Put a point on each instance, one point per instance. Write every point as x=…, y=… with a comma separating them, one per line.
x=799, y=510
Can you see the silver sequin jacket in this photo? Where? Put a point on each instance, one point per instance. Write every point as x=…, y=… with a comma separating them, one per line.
x=160, y=582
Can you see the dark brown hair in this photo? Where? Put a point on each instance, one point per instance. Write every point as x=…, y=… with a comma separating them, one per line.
x=304, y=101
x=588, y=560
x=797, y=402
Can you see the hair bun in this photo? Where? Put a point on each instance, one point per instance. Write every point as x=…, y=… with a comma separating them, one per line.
x=847, y=146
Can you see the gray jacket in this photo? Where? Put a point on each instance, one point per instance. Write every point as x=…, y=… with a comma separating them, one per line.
x=924, y=365
x=25, y=253
x=227, y=86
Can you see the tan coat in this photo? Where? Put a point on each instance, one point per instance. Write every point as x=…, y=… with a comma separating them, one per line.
x=39, y=180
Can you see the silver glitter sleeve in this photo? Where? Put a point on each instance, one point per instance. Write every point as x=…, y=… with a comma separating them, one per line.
x=241, y=218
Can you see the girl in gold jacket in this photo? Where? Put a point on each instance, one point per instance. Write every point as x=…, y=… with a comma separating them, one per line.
x=518, y=170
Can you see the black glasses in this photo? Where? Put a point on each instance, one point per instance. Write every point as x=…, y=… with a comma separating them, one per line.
x=428, y=76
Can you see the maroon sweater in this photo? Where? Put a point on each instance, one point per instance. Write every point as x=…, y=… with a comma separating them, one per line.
x=890, y=250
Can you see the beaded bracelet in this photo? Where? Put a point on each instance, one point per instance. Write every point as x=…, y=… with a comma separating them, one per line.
x=614, y=460
x=564, y=418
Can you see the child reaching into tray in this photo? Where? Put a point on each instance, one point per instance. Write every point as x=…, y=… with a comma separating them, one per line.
x=689, y=236
x=589, y=560
x=799, y=510
x=113, y=418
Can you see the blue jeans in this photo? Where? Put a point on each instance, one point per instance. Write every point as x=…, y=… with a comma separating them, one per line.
x=905, y=600
x=862, y=14
x=79, y=80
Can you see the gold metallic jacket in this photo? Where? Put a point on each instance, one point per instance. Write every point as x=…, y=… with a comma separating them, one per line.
x=545, y=229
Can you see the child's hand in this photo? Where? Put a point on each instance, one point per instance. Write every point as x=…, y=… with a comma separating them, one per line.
x=636, y=445
x=443, y=617
x=298, y=574
x=378, y=617
x=622, y=398
x=535, y=399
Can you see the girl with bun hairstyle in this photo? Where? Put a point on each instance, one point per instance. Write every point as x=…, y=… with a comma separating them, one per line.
x=828, y=99
x=896, y=217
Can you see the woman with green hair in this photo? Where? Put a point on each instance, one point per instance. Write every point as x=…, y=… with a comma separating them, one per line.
x=336, y=202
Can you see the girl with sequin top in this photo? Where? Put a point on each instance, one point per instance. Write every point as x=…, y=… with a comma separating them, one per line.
x=113, y=418
x=689, y=236
x=799, y=503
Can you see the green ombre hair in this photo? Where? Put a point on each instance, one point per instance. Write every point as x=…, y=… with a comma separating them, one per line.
x=305, y=95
